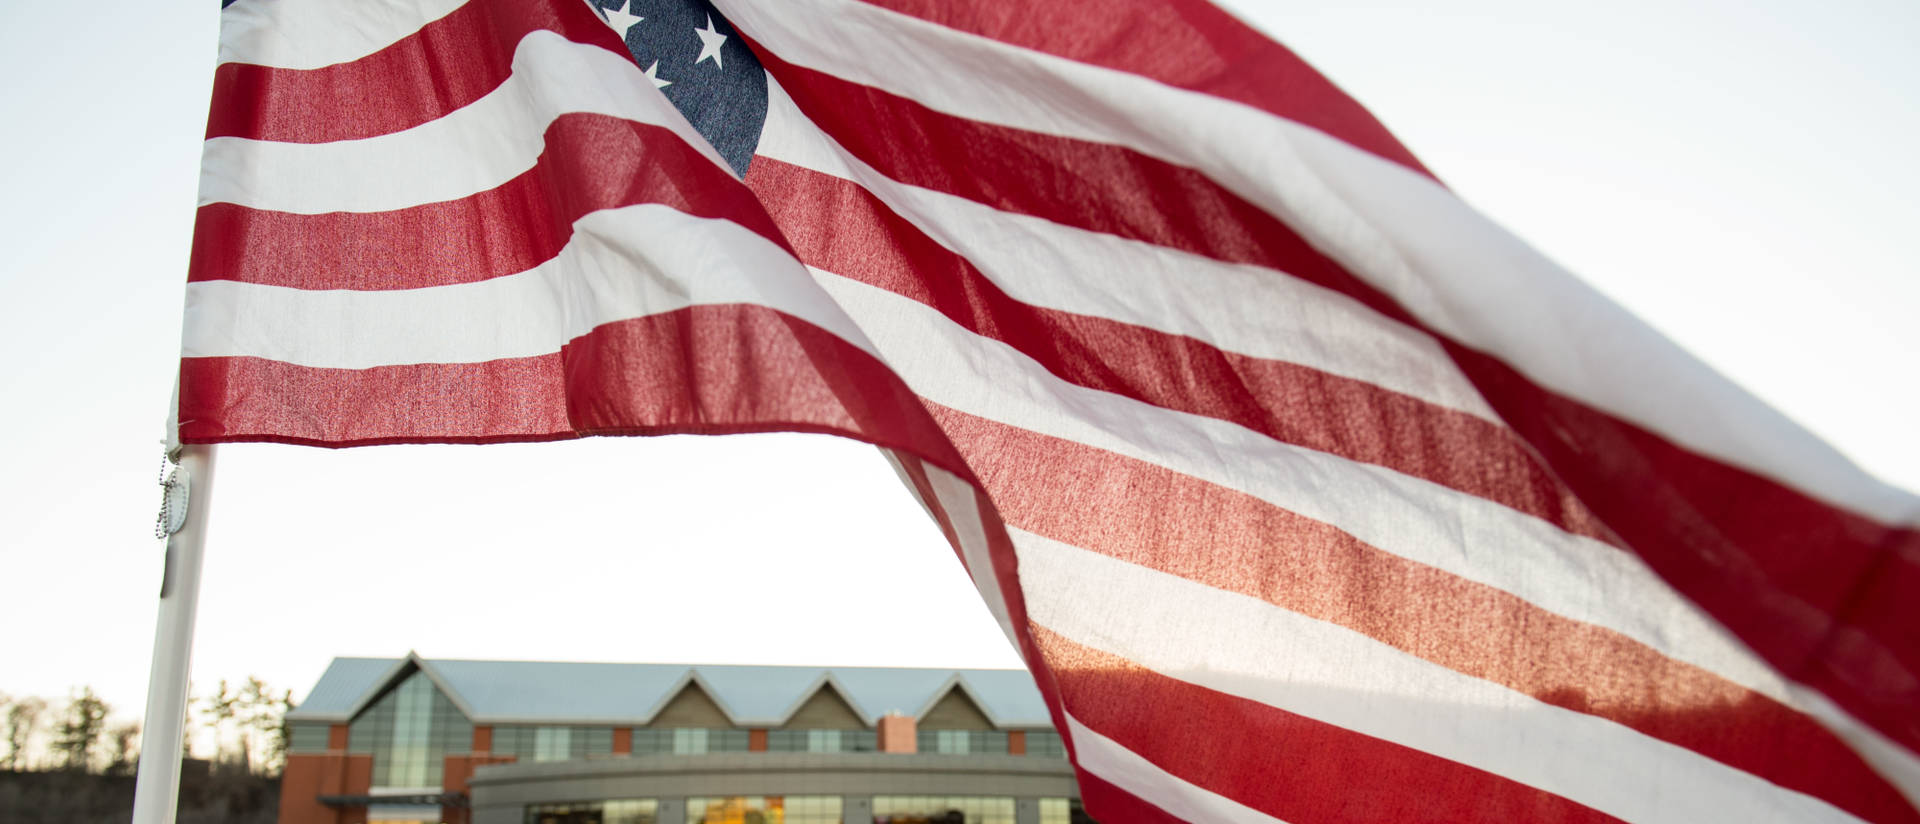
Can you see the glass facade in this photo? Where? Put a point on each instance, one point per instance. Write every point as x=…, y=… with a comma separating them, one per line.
x=823, y=741
x=1046, y=743
x=619, y=811
x=771, y=809
x=553, y=743
x=962, y=742
x=409, y=731
x=307, y=736
x=937, y=809
x=688, y=741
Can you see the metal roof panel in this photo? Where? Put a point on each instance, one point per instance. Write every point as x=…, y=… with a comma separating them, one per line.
x=573, y=692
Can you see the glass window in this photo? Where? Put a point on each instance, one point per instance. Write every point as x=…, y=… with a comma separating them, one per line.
x=771, y=809
x=618, y=811
x=1063, y=811
x=409, y=731
x=592, y=742
x=552, y=743
x=307, y=736
x=822, y=741
x=1054, y=811
x=688, y=741
x=1046, y=743
x=938, y=809
x=962, y=742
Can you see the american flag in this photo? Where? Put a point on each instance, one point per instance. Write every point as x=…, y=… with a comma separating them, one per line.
x=1307, y=493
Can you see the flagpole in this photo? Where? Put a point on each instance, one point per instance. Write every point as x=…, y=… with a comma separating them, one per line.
x=156, y=792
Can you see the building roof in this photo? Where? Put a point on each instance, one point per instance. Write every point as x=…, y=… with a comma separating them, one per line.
x=567, y=692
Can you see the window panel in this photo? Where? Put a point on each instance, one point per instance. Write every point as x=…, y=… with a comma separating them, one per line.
x=753, y=809
x=617, y=811
x=1046, y=743
x=307, y=737
x=409, y=731
x=552, y=743
x=686, y=740
x=968, y=809
x=962, y=742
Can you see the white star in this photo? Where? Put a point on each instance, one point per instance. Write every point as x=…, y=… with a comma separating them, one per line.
x=620, y=20
x=657, y=82
x=710, y=42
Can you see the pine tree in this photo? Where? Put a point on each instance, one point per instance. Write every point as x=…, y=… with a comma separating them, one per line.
x=22, y=717
x=77, y=735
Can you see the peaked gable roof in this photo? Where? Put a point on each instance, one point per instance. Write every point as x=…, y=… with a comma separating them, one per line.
x=568, y=692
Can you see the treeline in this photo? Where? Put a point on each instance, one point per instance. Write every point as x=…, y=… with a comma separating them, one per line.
x=70, y=762
x=240, y=726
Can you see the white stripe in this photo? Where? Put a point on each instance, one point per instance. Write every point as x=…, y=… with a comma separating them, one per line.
x=1459, y=533
x=309, y=34
x=1397, y=230
x=471, y=150
x=1248, y=648
x=963, y=511
x=1703, y=403
x=620, y=263
x=1125, y=769
x=1251, y=310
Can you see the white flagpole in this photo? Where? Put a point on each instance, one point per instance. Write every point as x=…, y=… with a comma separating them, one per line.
x=156, y=791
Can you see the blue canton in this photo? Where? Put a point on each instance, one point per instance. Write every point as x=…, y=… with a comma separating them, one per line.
x=700, y=63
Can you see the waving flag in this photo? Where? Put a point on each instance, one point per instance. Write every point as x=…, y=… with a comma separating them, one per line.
x=1307, y=493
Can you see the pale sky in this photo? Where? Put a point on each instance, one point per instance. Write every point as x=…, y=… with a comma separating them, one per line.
x=1739, y=174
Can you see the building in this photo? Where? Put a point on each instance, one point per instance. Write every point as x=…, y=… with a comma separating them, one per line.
x=521, y=742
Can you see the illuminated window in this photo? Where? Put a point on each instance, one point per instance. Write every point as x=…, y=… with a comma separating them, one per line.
x=619, y=811
x=921, y=809
x=1063, y=811
x=771, y=809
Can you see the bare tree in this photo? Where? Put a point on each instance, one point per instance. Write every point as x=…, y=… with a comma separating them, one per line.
x=23, y=716
x=77, y=735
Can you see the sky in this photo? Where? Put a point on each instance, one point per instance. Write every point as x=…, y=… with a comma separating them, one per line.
x=1740, y=175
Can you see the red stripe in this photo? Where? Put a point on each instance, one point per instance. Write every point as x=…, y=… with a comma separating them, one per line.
x=447, y=64
x=590, y=162
x=1288, y=402
x=703, y=369
x=1288, y=766
x=1187, y=44
x=1678, y=510
x=1106, y=802
x=737, y=368
x=1115, y=505
x=1826, y=596
x=226, y=400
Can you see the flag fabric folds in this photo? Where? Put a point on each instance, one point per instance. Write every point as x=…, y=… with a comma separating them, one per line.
x=1307, y=493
